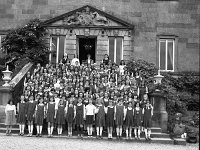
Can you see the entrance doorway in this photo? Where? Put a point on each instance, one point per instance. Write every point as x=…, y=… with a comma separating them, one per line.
x=87, y=45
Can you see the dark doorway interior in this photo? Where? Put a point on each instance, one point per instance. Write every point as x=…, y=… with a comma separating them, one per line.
x=86, y=46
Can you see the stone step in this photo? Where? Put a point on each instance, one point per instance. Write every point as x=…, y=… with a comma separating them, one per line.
x=179, y=141
x=159, y=135
x=156, y=129
x=142, y=140
x=2, y=125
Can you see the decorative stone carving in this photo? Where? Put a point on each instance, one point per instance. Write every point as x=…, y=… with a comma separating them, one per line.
x=86, y=17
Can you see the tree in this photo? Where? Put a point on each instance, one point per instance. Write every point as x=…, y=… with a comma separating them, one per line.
x=27, y=43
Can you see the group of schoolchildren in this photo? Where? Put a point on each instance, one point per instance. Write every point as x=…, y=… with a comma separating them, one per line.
x=82, y=97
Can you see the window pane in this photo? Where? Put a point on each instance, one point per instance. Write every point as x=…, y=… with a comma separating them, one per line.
x=170, y=56
x=61, y=47
x=118, y=50
x=54, y=49
x=111, y=48
x=162, y=54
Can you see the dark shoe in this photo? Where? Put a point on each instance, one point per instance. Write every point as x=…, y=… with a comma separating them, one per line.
x=40, y=135
x=37, y=135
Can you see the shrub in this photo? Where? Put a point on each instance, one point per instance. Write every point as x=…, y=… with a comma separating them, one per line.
x=179, y=92
x=27, y=42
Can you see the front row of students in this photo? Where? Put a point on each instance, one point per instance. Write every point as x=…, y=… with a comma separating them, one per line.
x=58, y=113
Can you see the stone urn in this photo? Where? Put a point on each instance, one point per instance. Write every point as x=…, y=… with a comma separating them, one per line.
x=6, y=76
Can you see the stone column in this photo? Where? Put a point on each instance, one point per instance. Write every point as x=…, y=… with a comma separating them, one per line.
x=5, y=95
x=160, y=117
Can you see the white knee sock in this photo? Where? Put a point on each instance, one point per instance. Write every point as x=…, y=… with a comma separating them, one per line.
x=23, y=126
x=97, y=131
x=91, y=128
x=145, y=131
x=130, y=130
x=139, y=133
x=40, y=129
x=88, y=130
x=31, y=129
x=120, y=132
x=51, y=130
x=126, y=132
x=61, y=130
x=100, y=132
x=117, y=130
x=20, y=128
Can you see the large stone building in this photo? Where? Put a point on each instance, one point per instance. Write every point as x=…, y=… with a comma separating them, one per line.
x=164, y=32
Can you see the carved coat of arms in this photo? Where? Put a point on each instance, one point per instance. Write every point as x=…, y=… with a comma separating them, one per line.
x=86, y=18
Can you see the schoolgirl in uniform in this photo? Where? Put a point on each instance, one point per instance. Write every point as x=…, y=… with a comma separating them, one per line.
x=100, y=118
x=31, y=105
x=60, y=116
x=10, y=112
x=147, y=120
x=50, y=115
x=119, y=117
x=21, y=119
x=70, y=115
x=90, y=116
x=137, y=120
x=110, y=118
x=39, y=116
x=106, y=99
x=129, y=120
x=80, y=113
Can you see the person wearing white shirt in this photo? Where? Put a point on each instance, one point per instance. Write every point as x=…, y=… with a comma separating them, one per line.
x=10, y=111
x=75, y=61
x=90, y=116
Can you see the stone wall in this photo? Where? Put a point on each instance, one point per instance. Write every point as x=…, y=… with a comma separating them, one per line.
x=150, y=17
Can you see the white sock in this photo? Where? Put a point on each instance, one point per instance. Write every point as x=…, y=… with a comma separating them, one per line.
x=61, y=130
x=91, y=131
x=100, y=132
x=139, y=133
x=120, y=132
x=130, y=134
x=126, y=133
x=88, y=130
x=110, y=132
x=20, y=128
x=145, y=131
x=117, y=130
x=97, y=131
x=40, y=129
x=51, y=130
x=31, y=129
x=23, y=126
x=135, y=132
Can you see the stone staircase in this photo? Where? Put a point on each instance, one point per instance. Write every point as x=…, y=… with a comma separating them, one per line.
x=156, y=135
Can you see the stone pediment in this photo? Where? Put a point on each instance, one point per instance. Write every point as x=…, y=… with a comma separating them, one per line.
x=87, y=16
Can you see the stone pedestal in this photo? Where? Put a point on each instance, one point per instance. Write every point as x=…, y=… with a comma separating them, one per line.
x=160, y=117
x=5, y=95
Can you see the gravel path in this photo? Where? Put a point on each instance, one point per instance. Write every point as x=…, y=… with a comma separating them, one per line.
x=34, y=143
